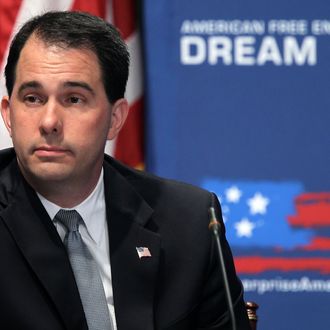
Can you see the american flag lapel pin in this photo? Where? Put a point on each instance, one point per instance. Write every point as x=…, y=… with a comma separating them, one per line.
x=143, y=251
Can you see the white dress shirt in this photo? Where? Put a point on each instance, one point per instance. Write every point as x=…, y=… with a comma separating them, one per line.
x=94, y=233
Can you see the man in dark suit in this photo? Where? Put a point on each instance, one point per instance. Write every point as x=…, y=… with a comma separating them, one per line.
x=142, y=239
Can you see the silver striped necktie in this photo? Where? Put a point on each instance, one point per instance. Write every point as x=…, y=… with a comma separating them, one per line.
x=86, y=273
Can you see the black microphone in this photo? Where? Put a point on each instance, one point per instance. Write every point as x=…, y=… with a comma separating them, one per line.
x=215, y=227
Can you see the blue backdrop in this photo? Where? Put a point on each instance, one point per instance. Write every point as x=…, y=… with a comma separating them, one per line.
x=238, y=103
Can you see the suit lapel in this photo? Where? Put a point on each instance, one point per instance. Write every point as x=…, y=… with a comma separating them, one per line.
x=37, y=238
x=133, y=278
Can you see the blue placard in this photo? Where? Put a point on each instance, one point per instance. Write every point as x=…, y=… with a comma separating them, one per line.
x=238, y=103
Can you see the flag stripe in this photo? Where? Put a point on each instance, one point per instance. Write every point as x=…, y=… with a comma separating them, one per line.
x=134, y=88
x=97, y=8
x=124, y=16
x=132, y=135
x=8, y=12
x=129, y=143
x=255, y=265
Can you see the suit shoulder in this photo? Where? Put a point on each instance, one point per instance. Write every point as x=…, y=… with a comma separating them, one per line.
x=155, y=189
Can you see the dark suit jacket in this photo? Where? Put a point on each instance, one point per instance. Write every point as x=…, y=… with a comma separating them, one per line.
x=178, y=288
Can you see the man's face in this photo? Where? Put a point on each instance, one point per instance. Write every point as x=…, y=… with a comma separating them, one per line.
x=58, y=114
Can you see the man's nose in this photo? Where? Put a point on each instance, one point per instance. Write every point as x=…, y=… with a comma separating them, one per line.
x=51, y=119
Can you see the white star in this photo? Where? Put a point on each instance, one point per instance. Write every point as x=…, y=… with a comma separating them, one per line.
x=258, y=204
x=244, y=228
x=233, y=194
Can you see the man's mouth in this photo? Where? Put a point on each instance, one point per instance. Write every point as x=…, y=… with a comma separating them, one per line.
x=50, y=151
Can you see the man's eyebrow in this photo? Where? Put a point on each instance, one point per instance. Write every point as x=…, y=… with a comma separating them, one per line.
x=36, y=84
x=29, y=84
x=79, y=84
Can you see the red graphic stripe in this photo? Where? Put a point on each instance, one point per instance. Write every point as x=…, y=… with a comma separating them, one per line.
x=256, y=265
x=313, y=210
x=318, y=243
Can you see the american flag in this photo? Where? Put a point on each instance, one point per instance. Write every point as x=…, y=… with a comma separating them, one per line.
x=13, y=13
x=275, y=225
x=143, y=252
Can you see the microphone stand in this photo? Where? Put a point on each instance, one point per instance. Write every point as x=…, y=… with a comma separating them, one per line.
x=215, y=227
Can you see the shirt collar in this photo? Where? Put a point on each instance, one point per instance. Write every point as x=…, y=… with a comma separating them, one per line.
x=92, y=210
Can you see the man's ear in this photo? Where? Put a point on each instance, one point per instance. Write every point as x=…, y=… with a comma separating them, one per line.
x=5, y=112
x=119, y=114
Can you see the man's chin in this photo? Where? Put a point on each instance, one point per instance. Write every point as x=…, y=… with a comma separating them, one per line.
x=52, y=177
x=49, y=173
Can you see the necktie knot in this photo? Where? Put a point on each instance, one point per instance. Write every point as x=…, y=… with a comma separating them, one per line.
x=70, y=219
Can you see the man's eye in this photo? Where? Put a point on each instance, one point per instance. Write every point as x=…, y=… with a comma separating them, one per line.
x=75, y=99
x=32, y=99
